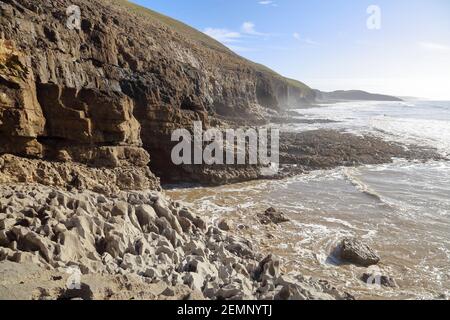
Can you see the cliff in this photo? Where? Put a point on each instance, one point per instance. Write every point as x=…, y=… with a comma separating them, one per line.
x=110, y=94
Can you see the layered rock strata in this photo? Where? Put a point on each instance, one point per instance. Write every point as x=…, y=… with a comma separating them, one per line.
x=127, y=77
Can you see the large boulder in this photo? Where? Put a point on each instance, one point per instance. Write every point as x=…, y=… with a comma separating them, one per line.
x=356, y=252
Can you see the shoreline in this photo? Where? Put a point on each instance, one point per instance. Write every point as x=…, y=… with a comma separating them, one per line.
x=182, y=286
x=285, y=240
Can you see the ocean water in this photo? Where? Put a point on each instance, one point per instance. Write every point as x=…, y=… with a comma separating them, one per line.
x=401, y=209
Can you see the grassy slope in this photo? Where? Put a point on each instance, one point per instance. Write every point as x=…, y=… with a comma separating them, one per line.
x=205, y=40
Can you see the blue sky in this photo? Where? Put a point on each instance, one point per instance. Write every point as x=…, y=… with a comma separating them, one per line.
x=327, y=44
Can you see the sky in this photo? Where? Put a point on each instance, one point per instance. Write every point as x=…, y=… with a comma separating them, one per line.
x=398, y=47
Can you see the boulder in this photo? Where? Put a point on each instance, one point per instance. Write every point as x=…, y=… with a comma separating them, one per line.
x=146, y=216
x=120, y=209
x=268, y=268
x=228, y=292
x=195, y=281
x=385, y=281
x=356, y=252
x=271, y=215
x=224, y=225
x=164, y=212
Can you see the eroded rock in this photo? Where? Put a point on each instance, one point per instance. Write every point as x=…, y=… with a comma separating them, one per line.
x=129, y=236
x=271, y=215
x=356, y=252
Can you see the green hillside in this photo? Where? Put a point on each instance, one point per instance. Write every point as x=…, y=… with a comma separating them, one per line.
x=201, y=38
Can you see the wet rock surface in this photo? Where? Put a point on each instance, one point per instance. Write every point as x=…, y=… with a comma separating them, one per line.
x=379, y=279
x=356, y=252
x=271, y=215
x=327, y=149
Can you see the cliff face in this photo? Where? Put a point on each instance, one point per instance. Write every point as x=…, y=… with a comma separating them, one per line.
x=124, y=81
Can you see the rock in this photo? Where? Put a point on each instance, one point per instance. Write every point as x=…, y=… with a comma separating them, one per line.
x=272, y=216
x=385, y=281
x=6, y=253
x=194, y=280
x=164, y=212
x=228, y=292
x=174, y=237
x=146, y=216
x=33, y=242
x=7, y=224
x=134, y=220
x=267, y=269
x=197, y=221
x=201, y=266
x=143, y=248
x=58, y=230
x=286, y=293
x=356, y=252
x=224, y=225
x=132, y=263
x=25, y=257
x=225, y=273
x=168, y=292
x=326, y=149
x=120, y=209
x=241, y=249
x=4, y=240
x=186, y=224
x=195, y=248
x=153, y=273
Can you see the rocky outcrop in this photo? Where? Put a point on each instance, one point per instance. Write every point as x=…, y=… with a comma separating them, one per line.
x=327, y=149
x=135, y=238
x=21, y=117
x=68, y=175
x=53, y=122
x=127, y=78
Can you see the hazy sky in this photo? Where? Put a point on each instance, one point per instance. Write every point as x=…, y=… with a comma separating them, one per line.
x=327, y=43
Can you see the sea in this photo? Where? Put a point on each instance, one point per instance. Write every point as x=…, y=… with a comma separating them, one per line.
x=401, y=209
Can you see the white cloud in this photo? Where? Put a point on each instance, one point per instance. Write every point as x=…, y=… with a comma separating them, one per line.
x=435, y=47
x=268, y=3
x=250, y=29
x=308, y=41
x=231, y=38
x=223, y=35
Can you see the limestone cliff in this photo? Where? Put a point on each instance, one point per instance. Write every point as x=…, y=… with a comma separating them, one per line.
x=103, y=94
